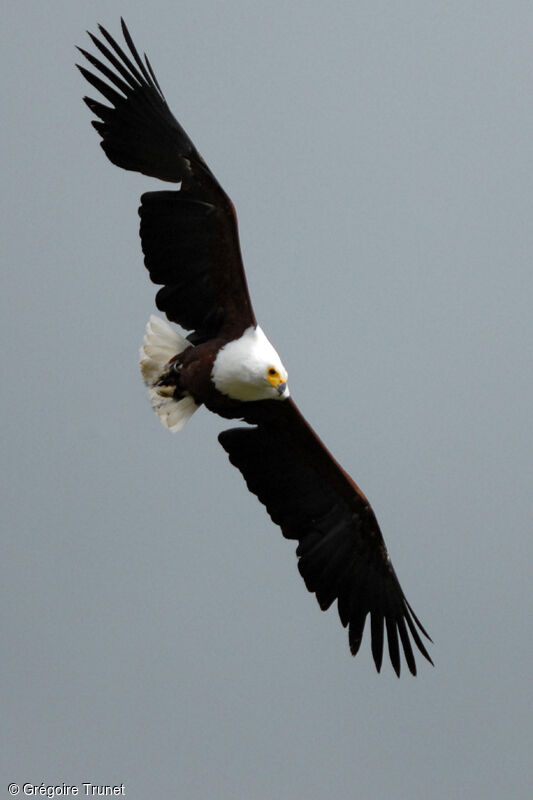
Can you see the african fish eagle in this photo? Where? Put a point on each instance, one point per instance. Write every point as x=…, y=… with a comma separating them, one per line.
x=191, y=247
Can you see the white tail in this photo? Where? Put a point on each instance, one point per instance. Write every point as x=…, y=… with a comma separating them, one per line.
x=161, y=344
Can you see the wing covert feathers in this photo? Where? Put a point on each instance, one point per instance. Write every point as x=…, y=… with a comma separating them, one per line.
x=341, y=552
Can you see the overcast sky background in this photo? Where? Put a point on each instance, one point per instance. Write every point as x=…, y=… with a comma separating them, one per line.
x=156, y=631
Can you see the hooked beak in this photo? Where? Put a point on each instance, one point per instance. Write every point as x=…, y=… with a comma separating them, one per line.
x=282, y=389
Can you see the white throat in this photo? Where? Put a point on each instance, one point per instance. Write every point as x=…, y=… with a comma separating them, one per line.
x=240, y=368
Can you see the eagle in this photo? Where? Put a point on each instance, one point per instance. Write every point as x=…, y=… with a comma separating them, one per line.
x=226, y=363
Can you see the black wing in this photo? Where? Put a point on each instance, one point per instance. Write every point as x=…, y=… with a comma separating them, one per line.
x=189, y=237
x=342, y=555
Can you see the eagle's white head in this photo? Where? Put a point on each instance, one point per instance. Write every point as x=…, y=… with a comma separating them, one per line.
x=249, y=368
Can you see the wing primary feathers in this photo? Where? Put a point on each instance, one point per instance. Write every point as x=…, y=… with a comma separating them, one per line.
x=376, y=632
x=127, y=75
x=135, y=54
x=414, y=633
x=352, y=590
x=120, y=52
x=152, y=73
x=406, y=644
x=198, y=261
x=110, y=75
x=417, y=621
x=341, y=553
x=109, y=93
x=392, y=639
x=139, y=132
x=355, y=631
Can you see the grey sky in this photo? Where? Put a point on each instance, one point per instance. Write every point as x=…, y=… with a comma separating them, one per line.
x=156, y=631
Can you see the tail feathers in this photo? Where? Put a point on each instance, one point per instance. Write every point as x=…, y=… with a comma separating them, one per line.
x=172, y=413
x=161, y=344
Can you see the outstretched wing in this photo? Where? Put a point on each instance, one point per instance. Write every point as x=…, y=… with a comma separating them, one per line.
x=189, y=237
x=341, y=552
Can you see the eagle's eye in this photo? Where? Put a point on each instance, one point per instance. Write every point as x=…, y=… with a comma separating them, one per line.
x=273, y=377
